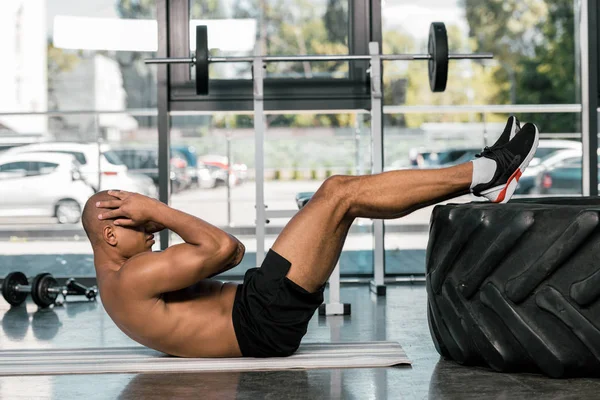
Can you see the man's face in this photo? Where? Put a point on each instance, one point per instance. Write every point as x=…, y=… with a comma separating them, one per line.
x=132, y=241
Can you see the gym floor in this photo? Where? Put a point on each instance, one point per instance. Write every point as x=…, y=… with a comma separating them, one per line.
x=400, y=316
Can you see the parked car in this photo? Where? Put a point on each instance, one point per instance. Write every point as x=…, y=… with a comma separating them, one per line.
x=179, y=164
x=204, y=177
x=547, y=147
x=421, y=158
x=42, y=185
x=200, y=174
x=219, y=174
x=417, y=157
x=219, y=165
x=527, y=182
x=113, y=173
x=562, y=179
x=145, y=161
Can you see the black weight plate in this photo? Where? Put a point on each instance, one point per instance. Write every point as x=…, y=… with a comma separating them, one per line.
x=39, y=290
x=201, y=60
x=9, y=293
x=438, y=50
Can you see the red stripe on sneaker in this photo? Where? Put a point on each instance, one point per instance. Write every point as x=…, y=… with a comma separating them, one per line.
x=516, y=175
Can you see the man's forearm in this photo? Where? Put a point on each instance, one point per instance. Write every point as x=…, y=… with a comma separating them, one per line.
x=191, y=229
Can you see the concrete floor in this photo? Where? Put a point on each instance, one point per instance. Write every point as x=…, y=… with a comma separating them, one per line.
x=400, y=316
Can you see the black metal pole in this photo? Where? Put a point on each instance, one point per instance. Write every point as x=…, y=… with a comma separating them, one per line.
x=162, y=16
x=589, y=96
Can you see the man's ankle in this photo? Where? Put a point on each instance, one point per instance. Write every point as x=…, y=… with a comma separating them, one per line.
x=483, y=171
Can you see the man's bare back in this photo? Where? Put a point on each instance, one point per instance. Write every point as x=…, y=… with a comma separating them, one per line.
x=162, y=299
x=192, y=322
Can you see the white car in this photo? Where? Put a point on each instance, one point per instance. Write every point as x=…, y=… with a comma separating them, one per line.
x=527, y=182
x=42, y=185
x=547, y=147
x=93, y=158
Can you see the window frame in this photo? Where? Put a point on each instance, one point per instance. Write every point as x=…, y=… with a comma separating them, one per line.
x=280, y=94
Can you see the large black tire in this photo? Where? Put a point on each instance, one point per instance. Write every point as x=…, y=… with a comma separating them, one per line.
x=516, y=287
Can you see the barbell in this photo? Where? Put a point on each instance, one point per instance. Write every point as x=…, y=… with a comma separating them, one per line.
x=437, y=58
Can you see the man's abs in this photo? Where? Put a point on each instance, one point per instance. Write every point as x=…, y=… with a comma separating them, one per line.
x=193, y=322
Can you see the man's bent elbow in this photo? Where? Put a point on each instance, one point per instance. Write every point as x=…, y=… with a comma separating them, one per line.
x=233, y=252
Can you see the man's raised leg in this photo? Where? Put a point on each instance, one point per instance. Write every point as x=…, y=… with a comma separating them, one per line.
x=312, y=241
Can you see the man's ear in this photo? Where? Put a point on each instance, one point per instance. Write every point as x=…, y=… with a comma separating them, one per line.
x=109, y=235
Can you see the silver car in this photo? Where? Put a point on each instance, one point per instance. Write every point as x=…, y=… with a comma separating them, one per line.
x=100, y=166
x=42, y=185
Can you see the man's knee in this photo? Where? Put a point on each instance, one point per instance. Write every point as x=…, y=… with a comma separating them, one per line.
x=336, y=191
x=335, y=187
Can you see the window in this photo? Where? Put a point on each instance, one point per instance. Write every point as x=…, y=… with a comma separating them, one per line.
x=18, y=169
x=301, y=151
x=15, y=166
x=277, y=28
x=56, y=54
x=113, y=158
x=79, y=156
x=44, y=167
x=534, y=47
x=132, y=158
x=140, y=160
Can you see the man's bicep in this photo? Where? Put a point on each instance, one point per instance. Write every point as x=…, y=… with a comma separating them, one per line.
x=175, y=268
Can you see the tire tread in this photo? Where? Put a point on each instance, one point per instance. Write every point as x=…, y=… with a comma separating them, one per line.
x=516, y=287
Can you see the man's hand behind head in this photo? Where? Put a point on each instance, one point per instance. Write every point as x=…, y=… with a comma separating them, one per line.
x=128, y=209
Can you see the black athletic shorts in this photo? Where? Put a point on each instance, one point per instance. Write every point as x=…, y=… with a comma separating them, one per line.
x=270, y=312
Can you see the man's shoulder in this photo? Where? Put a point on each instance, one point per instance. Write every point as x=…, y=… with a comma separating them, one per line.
x=135, y=272
x=134, y=264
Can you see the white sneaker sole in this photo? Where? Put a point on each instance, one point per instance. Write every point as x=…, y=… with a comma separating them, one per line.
x=503, y=193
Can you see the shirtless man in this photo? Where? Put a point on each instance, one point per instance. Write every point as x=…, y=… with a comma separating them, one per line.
x=165, y=301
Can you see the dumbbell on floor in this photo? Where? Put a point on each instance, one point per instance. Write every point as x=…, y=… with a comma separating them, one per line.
x=44, y=289
x=15, y=288
x=77, y=288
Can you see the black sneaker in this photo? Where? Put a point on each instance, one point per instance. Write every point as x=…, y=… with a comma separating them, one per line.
x=511, y=160
x=513, y=126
